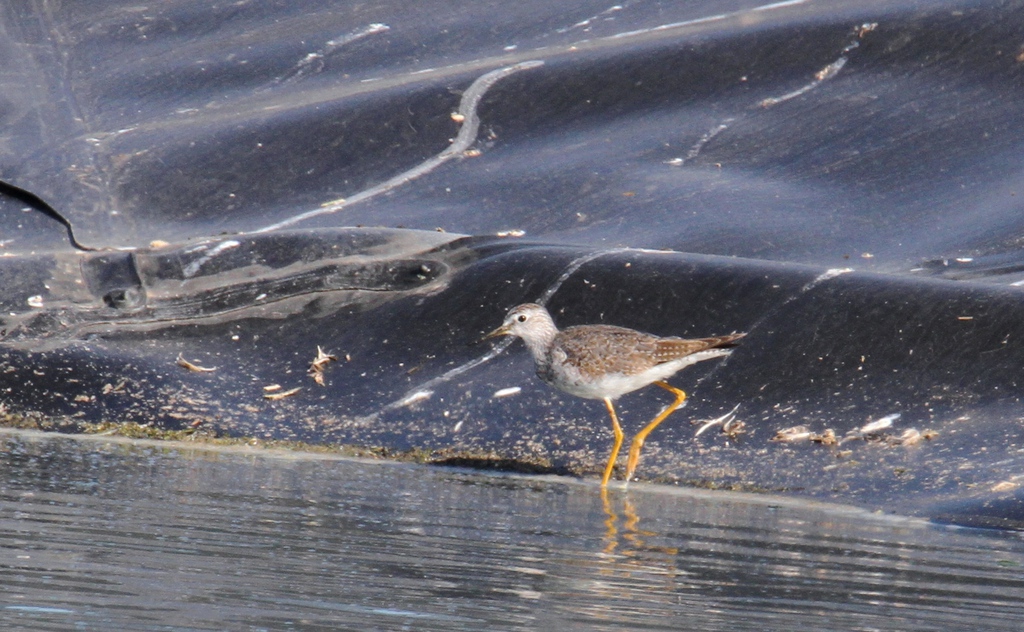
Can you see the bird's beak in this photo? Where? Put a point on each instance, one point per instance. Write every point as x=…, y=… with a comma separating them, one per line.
x=500, y=331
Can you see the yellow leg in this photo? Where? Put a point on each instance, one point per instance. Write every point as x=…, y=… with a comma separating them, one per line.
x=638, y=440
x=617, y=429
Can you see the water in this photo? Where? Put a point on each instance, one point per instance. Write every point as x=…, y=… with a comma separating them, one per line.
x=101, y=534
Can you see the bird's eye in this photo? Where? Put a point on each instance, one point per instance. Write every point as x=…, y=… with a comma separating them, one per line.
x=521, y=318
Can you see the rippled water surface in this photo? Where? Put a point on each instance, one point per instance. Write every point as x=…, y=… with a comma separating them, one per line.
x=109, y=535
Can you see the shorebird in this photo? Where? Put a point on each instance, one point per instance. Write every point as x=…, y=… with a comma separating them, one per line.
x=605, y=362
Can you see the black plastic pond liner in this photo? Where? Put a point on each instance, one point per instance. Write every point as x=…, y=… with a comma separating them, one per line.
x=191, y=187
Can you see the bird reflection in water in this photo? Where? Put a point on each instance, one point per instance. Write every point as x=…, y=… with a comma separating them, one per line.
x=630, y=540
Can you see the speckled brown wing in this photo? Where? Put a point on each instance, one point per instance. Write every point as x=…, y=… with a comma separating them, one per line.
x=669, y=349
x=596, y=350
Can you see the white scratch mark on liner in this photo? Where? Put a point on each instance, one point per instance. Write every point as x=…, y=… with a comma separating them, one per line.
x=313, y=62
x=778, y=5
x=708, y=18
x=828, y=71
x=192, y=268
x=831, y=273
x=704, y=140
x=590, y=20
x=673, y=25
x=571, y=269
x=715, y=131
x=466, y=137
x=372, y=29
x=822, y=75
x=412, y=398
x=444, y=377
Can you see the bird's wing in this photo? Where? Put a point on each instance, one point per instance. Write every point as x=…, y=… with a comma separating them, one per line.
x=669, y=349
x=601, y=349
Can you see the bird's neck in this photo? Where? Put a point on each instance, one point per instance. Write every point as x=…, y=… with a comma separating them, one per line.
x=539, y=345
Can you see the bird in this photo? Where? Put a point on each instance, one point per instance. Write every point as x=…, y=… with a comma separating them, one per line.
x=605, y=362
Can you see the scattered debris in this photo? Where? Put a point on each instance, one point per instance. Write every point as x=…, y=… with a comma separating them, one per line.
x=505, y=392
x=827, y=438
x=726, y=418
x=322, y=359
x=734, y=428
x=282, y=394
x=910, y=436
x=872, y=431
x=1005, y=486
x=316, y=368
x=879, y=424
x=109, y=388
x=792, y=435
x=511, y=233
x=185, y=364
x=270, y=388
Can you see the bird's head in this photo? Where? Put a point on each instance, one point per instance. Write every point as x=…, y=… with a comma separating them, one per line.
x=528, y=321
